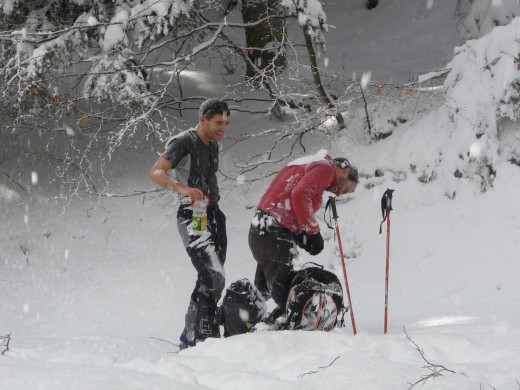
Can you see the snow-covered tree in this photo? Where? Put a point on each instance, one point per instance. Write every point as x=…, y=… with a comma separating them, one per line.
x=97, y=75
x=483, y=88
x=479, y=17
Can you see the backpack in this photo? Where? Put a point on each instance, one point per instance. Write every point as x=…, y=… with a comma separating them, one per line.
x=315, y=300
x=242, y=308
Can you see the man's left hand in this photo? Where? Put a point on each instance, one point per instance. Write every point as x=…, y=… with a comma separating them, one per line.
x=312, y=243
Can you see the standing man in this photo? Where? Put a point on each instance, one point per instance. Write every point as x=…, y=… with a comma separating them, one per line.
x=193, y=156
x=285, y=219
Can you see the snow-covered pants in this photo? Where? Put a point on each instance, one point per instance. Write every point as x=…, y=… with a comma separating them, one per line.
x=208, y=254
x=273, y=248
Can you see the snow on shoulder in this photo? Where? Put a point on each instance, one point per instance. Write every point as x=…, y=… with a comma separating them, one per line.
x=319, y=156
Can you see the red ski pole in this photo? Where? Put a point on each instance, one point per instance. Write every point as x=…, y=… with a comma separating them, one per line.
x=386, y=207
x=332, y=202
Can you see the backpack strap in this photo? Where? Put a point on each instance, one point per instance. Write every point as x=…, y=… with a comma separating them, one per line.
x=313, y=263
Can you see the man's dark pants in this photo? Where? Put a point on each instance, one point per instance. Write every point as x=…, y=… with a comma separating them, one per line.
x=273, y=248
x=208, y=254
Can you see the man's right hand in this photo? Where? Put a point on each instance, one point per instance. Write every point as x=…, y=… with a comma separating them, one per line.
x=312, y=243
x=194, y=193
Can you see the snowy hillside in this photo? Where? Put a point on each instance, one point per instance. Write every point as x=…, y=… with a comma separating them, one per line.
x=94, y=292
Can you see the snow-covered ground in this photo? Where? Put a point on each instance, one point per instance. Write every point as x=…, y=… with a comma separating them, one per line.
x=94, y=294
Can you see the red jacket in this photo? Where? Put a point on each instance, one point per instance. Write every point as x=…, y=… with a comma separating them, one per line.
x=295, y=194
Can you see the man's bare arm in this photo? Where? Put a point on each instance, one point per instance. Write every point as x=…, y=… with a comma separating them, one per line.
x=159, y=175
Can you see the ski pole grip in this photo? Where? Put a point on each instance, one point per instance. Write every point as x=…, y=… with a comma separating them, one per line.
x=332, y=201
x=389, y=200
x=386, y=206
x=386, y=201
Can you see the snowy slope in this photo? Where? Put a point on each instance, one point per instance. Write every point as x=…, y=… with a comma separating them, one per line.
x=94, y=293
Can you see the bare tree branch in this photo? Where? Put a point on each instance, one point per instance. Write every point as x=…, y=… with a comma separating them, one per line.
x=436, y=370
x=4, y=344
x=319, y=368
x=169, y=342
x=14, y=181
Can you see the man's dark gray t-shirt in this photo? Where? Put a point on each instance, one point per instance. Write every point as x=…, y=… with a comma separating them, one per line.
x=195, y=164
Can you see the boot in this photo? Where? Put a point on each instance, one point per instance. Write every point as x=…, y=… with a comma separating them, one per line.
x=207, y=325
x=187, y=339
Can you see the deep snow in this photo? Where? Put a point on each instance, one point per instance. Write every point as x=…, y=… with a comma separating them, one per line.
x=94, y=293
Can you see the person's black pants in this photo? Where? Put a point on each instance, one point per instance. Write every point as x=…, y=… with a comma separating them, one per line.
x=208, y=254
x=273, y=248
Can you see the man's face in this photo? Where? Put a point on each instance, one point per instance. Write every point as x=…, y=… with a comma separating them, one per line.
x=344, y=186
x=214, y=129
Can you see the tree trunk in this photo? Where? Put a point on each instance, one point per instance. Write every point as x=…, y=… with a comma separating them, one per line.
x=317, y=78
x=263, y=41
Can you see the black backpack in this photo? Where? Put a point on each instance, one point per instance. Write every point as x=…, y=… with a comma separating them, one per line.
x=242, y=308
x=315, y=300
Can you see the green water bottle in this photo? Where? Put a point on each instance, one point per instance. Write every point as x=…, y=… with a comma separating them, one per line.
x=200, y=216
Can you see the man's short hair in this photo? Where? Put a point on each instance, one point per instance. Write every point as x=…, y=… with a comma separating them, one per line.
x=213, y=106
x=342, y=162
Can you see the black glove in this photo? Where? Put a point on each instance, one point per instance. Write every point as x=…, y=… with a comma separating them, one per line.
x=312, y=243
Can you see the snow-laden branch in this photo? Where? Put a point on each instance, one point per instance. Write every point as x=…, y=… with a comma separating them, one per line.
x=91, y=23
